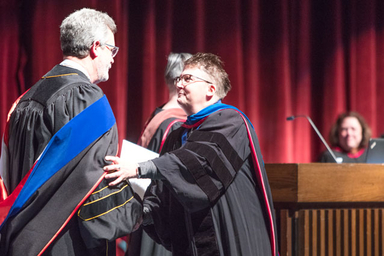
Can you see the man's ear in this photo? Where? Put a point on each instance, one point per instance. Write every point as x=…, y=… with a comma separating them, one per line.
x=93, y=52
x=211, y=90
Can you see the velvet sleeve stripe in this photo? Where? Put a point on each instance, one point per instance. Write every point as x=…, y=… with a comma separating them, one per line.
x=220, y=169
x=218, y=138
x=103, y=201
x=198, y=173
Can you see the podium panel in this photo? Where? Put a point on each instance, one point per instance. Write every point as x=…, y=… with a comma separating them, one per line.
x=328, y=209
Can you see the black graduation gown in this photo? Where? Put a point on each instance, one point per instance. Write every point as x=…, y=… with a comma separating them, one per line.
x=210, y=200
x=46, y=219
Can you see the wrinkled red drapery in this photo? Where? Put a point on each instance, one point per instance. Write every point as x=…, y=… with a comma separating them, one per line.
x=284, y=57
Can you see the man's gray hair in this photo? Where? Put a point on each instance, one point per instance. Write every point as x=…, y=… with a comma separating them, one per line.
x=80, y=29
x=174, y=68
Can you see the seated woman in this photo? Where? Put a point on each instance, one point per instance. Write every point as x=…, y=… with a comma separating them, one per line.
x=349, y=138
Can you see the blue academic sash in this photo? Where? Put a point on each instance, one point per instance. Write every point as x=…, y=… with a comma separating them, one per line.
x=65, y=145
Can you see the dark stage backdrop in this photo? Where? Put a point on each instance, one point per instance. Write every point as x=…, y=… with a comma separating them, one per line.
x=284, y=57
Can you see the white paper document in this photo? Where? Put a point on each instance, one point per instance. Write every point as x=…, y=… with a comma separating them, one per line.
x=136, y=153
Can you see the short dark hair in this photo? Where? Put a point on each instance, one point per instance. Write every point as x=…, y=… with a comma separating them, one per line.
x=334, y=133
x=214, y=67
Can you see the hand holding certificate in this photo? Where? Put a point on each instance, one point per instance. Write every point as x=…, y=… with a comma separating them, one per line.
x=125, y=166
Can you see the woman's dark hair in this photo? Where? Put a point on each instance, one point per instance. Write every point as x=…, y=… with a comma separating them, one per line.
x=334, y=133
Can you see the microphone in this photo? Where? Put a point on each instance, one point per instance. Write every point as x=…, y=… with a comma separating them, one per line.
x=337, y=159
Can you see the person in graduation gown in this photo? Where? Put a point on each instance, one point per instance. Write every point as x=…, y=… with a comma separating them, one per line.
x=164, y=119
x=212, y=195
x=349, y=139
x=52, y=160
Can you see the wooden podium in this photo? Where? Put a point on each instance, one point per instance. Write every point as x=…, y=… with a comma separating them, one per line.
x=325, y=209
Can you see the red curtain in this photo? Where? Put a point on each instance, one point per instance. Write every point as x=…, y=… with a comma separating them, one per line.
x=284, y=57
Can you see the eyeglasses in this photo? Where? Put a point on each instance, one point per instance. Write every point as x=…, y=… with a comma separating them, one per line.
x=187, y=79
x=114, y=49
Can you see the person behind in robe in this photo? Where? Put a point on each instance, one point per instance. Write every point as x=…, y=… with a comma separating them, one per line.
x=164, y=119
x=211, y=195
x=57, y=201
x=349, y=139
x=166, y=114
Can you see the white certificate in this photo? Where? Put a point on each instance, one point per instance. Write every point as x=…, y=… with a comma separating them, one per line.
x=136, y=153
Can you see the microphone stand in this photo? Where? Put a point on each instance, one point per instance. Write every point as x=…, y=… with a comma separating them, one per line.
x=337, y=159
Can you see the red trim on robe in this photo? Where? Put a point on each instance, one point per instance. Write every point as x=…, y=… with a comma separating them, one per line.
x=152, y=125
x=3, y=191
x=7, y=203
x=167, y=131
x=261, y=180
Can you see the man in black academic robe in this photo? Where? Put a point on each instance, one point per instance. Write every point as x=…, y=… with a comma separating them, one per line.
x=211, y=195
x=56, y=138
